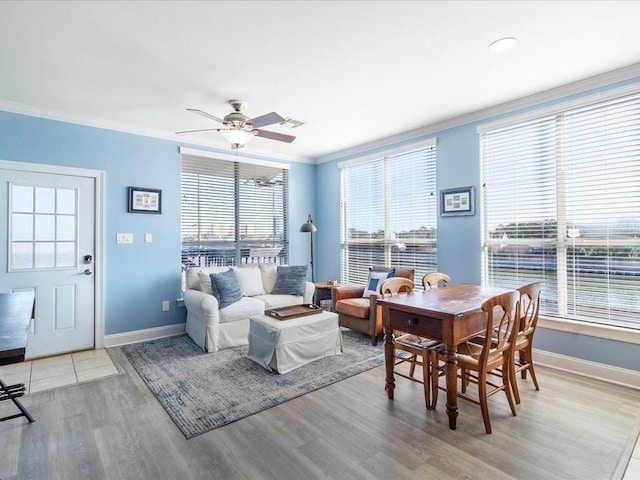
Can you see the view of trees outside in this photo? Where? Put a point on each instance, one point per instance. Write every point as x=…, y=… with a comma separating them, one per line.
x=389, y=215
x=562, y=206
x=597, y=275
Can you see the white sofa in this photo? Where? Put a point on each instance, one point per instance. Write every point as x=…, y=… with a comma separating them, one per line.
x=213, y=328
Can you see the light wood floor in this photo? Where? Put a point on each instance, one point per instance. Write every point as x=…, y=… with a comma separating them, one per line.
x=574, y=428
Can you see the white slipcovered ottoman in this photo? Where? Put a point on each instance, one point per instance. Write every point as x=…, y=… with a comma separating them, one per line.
x=282, y=345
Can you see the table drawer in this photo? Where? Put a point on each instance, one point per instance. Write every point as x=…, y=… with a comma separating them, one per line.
x=418, y=325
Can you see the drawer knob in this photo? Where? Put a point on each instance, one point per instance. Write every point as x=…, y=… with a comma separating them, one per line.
x=412, y=321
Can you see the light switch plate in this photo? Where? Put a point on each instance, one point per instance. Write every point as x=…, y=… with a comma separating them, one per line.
x=124, y=237
x=148, y=238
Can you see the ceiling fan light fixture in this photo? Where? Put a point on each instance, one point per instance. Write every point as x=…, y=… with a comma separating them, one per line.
x=237, y=136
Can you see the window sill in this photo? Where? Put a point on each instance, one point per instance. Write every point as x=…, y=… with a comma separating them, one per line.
x=609, y=332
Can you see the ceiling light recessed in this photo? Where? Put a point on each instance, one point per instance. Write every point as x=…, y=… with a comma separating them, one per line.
x=503, y=44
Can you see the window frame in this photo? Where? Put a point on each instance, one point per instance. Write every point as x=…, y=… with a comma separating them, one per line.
x=381, y=160
x=569, y=325
x=245, y=250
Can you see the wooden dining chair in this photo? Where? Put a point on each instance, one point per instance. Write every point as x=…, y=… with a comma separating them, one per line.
x=529, y=311
x=409, y=348
x=433, y=279
x=476, y=361
x=429, y=281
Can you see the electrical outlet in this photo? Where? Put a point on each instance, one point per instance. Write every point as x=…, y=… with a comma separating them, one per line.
x=165, y=306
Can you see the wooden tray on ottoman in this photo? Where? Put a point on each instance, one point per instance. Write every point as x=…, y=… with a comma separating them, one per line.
x=294, y=311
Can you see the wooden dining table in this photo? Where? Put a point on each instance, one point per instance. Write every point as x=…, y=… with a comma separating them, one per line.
x=16, y=312
x=449, y=314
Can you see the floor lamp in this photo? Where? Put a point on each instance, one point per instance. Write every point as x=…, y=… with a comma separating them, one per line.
x=309, y=227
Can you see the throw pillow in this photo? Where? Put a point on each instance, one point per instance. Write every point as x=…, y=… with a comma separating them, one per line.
x=290, y=280
x=269, y=273
x=374, y=280
x=250, y=280
x=204, y=278
x=228, y=289
x=205, y=283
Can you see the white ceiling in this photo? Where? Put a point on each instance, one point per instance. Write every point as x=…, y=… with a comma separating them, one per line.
x=354, y=72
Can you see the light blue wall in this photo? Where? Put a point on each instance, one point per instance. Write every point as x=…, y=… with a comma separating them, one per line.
x=459, y=242
x=138, y=276
x=301, y=203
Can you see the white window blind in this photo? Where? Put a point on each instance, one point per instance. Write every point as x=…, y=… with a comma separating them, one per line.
x=561, y=204
x=389, y=214
x=233, y=212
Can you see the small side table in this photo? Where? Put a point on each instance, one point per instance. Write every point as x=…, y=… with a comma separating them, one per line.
x=323, y=294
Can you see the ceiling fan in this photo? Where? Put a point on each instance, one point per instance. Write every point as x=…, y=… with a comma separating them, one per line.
x=238, y=129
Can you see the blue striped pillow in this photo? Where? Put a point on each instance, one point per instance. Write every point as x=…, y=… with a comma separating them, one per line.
x=226, y=288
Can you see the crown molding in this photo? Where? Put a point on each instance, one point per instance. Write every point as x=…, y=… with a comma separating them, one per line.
x=580, y=86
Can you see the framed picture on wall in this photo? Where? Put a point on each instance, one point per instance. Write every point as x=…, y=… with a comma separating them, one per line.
x=457, y=201
x=144, y=200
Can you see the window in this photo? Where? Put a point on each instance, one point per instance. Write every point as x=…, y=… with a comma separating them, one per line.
x=389, y=214
x=561, y=204
x=43, y=231
x=233, y=212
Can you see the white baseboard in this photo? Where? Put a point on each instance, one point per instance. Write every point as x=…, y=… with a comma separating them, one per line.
x=137, y=336
x=599, y=371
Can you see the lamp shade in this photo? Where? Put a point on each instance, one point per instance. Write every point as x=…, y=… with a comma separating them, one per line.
x=237, y=136
x=308, y=226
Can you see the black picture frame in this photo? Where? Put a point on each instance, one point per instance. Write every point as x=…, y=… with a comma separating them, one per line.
x=457, y=202
x=144, y=200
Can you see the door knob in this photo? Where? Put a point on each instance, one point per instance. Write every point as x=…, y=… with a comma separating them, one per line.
x=88, y=271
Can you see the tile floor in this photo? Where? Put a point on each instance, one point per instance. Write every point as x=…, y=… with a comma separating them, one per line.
x=633, y=469
x=59, y=371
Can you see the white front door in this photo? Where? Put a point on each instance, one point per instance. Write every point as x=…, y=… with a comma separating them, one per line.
x=49, y=247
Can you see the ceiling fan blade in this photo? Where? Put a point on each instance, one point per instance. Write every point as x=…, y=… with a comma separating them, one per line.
x=281, y=137
x=201, y=130
x=204, y=114
x=266, y=119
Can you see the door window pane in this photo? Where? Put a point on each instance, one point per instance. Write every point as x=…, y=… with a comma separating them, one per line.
x=66, y=230
x=45, y=200
x=66, y=201
x=22, y=227
x=45, y=228
x=66, y=254
x=21, y=255
x=44, y=255
x=22, y=198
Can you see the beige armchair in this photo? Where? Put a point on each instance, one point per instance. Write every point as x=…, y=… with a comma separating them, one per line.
x=361, y=313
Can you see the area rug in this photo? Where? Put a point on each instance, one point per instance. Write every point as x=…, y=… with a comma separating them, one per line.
x=202, y=391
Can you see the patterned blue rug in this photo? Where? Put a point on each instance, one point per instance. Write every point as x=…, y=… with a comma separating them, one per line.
x=203, y=391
